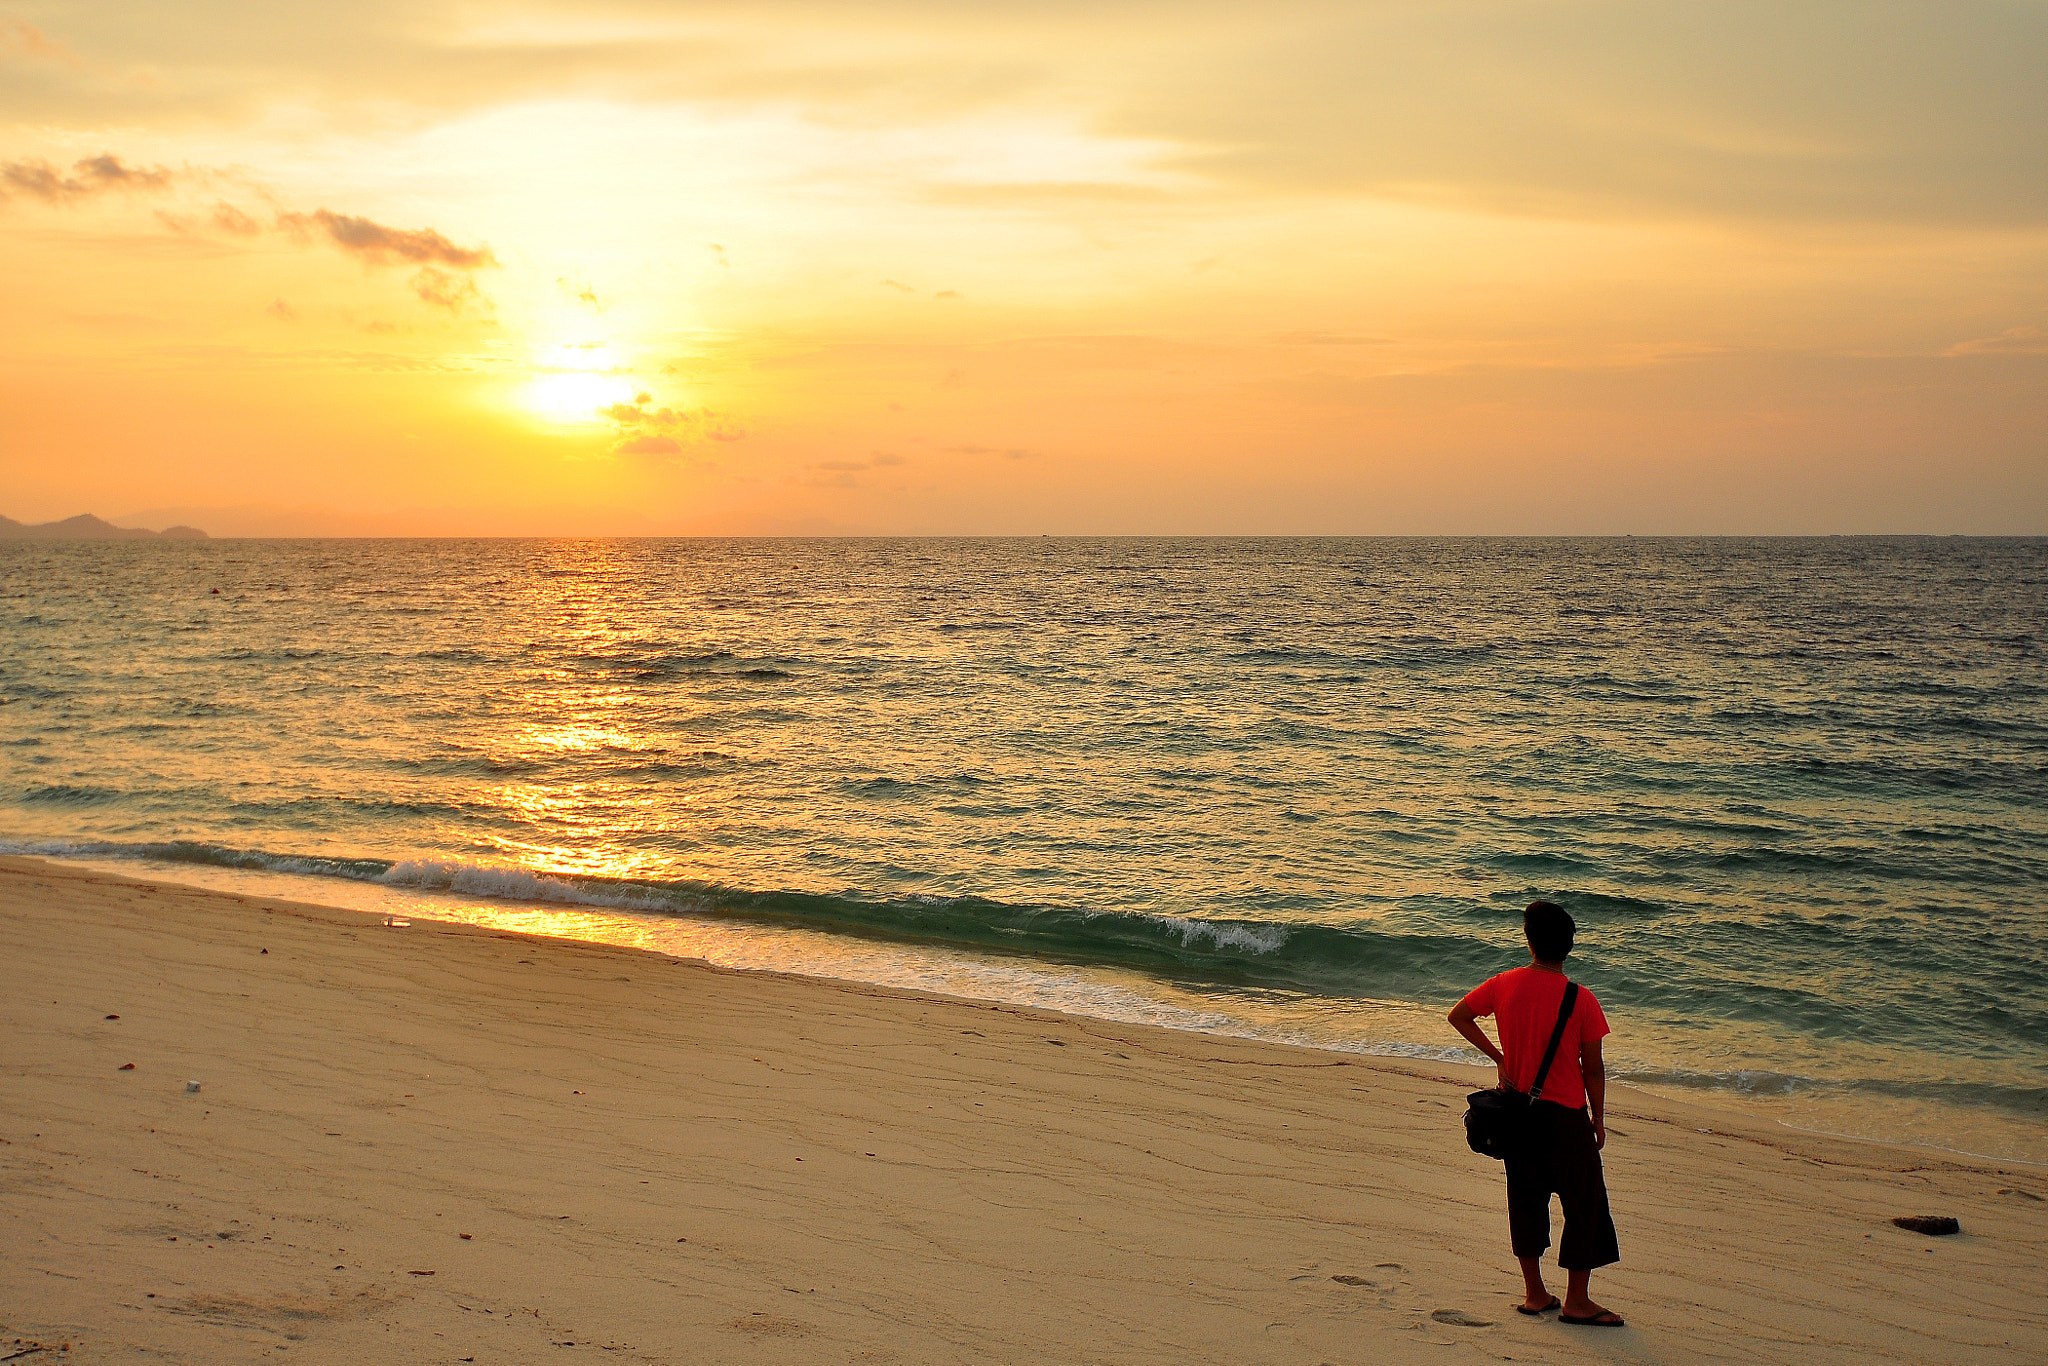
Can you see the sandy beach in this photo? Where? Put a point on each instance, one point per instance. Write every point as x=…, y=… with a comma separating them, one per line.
x=443, y=1143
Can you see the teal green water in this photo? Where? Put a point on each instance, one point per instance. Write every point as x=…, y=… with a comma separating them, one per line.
x=1793, y=790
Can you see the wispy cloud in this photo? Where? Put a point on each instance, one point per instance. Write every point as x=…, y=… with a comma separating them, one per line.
x=2014, y=341
x=841, y=474
x=380, y=245
x=648, y=430
x=649, y=443
x=26, y=38
x=38, y=179
x=1007, y=452
x=230, y=219
x=446, y=289
x=442, y=280
x=1328, y=339
x=639, y=413
x=582, y=292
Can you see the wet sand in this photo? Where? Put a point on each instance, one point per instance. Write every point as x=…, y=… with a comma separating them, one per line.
x=658, y=1161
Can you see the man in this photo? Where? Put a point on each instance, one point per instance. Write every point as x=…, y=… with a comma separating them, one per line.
x=1563, y=1151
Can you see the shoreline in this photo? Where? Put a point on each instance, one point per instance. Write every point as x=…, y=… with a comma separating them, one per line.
x=1809, y=1101
x=652, y=1154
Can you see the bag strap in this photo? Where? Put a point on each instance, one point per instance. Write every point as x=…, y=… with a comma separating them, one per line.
x=1564, y=1014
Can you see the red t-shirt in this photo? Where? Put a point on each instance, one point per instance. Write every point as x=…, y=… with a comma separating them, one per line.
x=1525, y=1002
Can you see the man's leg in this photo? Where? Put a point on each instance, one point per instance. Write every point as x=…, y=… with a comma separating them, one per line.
x=1589, y=1240
x=1529, y=1224
x=1578, y=1299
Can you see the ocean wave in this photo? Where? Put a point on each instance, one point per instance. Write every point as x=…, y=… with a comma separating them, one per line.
x=511, y=884
x=210, y=855
x=1204, y=952
x=1428, y=953
x=1302, y=955
x=2027, y=1102
x=69, y=794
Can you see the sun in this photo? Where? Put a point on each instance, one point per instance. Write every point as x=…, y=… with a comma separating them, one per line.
x=575, y=383
x=576, y=396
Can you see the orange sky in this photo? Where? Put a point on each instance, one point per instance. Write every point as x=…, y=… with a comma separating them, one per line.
x=1382, y=266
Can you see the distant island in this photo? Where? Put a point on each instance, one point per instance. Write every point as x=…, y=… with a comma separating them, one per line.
x=86, y=527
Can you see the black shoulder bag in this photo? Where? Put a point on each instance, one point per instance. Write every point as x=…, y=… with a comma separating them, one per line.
x=1497, y=1121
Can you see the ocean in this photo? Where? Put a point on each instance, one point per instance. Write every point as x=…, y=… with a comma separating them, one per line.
x=1795, y=791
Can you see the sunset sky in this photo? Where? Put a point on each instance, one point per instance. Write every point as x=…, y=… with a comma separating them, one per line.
x=1381, y=266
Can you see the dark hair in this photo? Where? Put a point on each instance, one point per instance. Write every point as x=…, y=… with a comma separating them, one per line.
x=1550, y=929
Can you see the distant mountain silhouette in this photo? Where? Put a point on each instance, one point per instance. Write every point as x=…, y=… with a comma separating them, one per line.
x=86, y=527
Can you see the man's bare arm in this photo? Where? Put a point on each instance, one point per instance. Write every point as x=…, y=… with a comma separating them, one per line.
x=1595, y=1071
x=1465, y=1022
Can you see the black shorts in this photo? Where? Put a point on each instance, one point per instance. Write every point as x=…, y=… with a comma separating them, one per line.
x=1561, y=1159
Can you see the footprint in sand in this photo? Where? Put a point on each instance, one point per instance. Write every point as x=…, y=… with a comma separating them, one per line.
x=1460, y=1319
x=1351, y=1280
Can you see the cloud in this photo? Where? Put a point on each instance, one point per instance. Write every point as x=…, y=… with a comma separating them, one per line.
x=839, y=474
x=38, y=179
x=280, y=309
x=2014, y=341
x=1007, y=452
x=445, y=289
x=107, y=172
x=650, y=443
x=1046, y=194
x=441, y=281
x=899, y=287
x=27, y=38
x=228, y=218
x=1329, y=339
x=1742, y=108
x=379, y=245
x=638, y=413
x=582, y=293
x=648, y=430
x=949, y=294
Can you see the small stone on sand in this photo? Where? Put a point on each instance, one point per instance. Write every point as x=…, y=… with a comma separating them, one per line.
x=1934, y=1225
